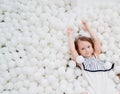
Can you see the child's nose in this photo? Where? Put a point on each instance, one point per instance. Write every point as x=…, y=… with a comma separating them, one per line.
x=87, y=49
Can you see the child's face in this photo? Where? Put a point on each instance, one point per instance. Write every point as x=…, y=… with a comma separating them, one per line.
x=85, y=48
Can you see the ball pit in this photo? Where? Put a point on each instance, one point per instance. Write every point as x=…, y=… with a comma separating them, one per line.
x=34, y=51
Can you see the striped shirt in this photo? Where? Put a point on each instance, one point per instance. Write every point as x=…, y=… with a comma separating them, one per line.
x=94, y=65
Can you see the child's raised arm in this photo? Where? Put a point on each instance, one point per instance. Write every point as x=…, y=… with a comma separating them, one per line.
x=71, y=43
x=73, y=51
x=97, y=44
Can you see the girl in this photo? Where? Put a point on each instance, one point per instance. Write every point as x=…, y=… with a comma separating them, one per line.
x=93, y=69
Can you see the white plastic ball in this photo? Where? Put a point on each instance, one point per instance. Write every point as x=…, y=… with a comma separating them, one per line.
x=44, y=83
x=20, y=62
x=18, y=70
x=40, y=89
x=11, y=64
x=18, y=85
x=38, y=77
x=26, y=83
x=6, y=92
x=3, y=67
x=104, y=48
x=80, y=59
x=79, y=90
x=2, y=81
x=61, y=71
x=109, y=53
x=6, y=76
x=12, y=73
x=107, y=65
x=23, y=90
x=52, y=79
x=102, y=57
x=1, y=88
x=118, y=87
x=72, y=64
x=63, y=86
x=48, y=90
x=116, y=79
x=111, y=74
x=115, y=58
x=14, y=92
x=8, y=56
x=9, y=86
x=69, y=89
x=69, y=75
x=117, y=69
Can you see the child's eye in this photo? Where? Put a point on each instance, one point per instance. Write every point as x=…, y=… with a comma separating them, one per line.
x=83, y=48
x=88, y=46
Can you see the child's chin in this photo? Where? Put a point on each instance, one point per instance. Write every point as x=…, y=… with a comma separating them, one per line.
x=88, y=55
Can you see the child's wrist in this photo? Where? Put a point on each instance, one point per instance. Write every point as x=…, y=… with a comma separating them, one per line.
x=70, y=33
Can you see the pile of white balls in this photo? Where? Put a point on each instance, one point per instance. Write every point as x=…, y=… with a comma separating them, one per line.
x=34, y=51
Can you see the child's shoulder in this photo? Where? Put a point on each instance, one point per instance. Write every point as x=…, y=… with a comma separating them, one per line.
x=95, y=56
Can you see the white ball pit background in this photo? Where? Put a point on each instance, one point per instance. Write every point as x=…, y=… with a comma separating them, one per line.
x=34, y=51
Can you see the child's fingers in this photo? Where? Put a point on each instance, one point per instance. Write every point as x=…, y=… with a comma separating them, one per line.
x=84, y=25
x=69, y=30
x=84, y=28
x=84, y=22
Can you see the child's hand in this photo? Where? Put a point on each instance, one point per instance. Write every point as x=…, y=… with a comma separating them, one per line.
x=118, y=75
x=79, y=65
x=70, y=31
x=85, y=26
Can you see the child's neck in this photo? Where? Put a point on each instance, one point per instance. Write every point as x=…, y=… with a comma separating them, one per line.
x=92, y=56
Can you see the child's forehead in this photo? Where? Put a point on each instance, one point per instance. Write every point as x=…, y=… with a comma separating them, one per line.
x=83, y=42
